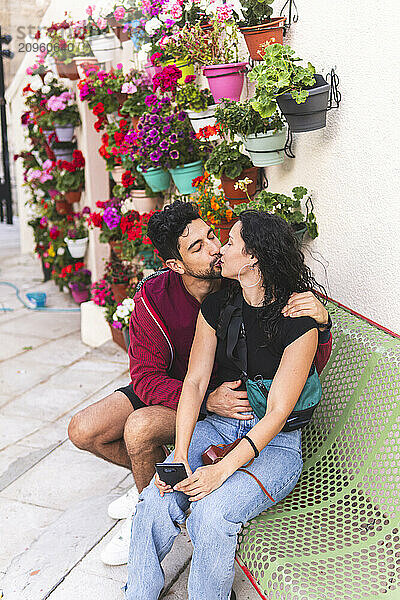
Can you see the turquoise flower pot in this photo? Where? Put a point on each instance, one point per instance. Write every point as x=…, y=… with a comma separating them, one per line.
x=183, y=176
x=157, y=179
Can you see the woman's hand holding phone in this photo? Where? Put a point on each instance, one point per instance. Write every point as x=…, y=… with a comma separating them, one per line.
x=163, y=487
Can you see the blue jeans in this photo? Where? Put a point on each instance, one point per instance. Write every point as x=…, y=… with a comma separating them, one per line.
x=216, y=520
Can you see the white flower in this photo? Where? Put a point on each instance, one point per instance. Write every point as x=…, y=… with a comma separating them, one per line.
x=48, y=78
x=129, y=303
x=36, y=85
x=122, y=311
x=115, y=317
x=46, y=89
x=61, y=251
x=152, y=26
x=146, y=47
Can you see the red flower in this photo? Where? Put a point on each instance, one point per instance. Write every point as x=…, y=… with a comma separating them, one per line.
x=37, y=35
x=127, y=179
x=105, y=138
x=98, y=109
x=77, y=159
x=118, y=137
x=54, y=233
x=96, y=219
x=122, y=123
x=99, y=124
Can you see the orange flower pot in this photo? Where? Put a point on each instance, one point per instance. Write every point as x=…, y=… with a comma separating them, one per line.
x=135, y=121
x=266, y=33
x=68, y=71
x=223, y=229
x=235, y=197
x=73, y=196
x=118, y=337
x=120, y=291
x=63, y=207
x=116, y=247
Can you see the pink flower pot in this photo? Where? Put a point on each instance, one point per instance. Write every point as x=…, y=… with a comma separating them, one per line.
x=80, y=296
x=226, y=81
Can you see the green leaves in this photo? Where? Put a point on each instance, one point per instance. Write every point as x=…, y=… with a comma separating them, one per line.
x=226, y=159
x=285, y=207
x=277, y=74
x=240, y=118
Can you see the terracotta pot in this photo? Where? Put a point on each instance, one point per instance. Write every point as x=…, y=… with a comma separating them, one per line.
x=118, y=337
x=63, y=207
x=122, y=35
x=121, y=97
x=116, y=247
x=73, y=196
x=68, y=71
x=265, y=33
x=83, y=62
x=143, y=203
x=120, y=291
x=224, y=228
x=237, y=196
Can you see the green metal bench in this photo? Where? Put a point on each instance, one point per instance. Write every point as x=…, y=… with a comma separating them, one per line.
x=336, y=536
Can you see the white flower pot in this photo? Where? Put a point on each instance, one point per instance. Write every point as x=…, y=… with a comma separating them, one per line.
x=103, y=46
x=266, y=149
x=65, y=133
x=202, y=119
x=77, y=248
x=117, y=174
x=113, y=117
x=142, y=203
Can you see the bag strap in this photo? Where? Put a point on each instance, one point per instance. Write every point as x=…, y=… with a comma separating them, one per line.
x=232, y=329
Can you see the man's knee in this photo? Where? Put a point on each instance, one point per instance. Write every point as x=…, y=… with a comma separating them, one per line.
x=80, y=433
x=149, y=427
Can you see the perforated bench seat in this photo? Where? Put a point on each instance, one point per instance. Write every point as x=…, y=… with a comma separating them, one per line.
x=336, y=536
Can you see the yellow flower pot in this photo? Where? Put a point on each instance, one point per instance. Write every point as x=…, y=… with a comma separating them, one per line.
x=184, y=66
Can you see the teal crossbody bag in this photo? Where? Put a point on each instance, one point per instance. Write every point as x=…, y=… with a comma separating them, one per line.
x=231, y=328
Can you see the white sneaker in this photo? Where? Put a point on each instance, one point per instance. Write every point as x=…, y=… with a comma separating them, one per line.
x=117, y=550
x=123, y=507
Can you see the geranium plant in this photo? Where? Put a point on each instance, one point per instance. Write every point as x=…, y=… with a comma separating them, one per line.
x=240, y=118
x=78, y=228
x=108, y=220
x=226, y=159
x=63, y=109
x=190, y=97
x=286, y=207
x=102, y=294
x=278, y=73
x=70, y=175
x=123, y=313
x=217, y=45
x=80, y=278
x=256, y=11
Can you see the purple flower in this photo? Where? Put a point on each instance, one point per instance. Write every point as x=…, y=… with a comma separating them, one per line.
x=86, y=210
x=174, y=154
x=173, y=138
x=164, y=145
x=150, y=100
x=154, y=119
x=111, y=217
x=169, y=23
x=153, y=133
x=166, y=129
x=181, y=115
x=116, y=325
x=168, y=118
x=165, y=101
x=155, y=156
x=43, y=222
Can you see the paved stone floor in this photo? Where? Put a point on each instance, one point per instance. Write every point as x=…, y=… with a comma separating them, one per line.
x=53, y=497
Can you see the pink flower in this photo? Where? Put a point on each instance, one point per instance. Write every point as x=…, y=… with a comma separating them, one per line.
x=176, y=11
x=29, y=71
x=119, y=66
x=128, y=88
x=90, y=9
x=224, y=12
x=119, y=13
x=101, y=23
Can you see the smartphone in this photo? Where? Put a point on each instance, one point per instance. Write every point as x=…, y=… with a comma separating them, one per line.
x=171, y=473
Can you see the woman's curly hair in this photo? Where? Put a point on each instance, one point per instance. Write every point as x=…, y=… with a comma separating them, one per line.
x=271, y=240
x=166, y=226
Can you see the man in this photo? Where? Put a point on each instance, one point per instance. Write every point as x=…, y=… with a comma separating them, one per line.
x=132, y=426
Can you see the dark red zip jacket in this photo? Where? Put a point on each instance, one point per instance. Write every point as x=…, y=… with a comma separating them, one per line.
x=162, y=328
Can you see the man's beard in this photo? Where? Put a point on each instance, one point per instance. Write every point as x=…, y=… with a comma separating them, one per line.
x=208, y=274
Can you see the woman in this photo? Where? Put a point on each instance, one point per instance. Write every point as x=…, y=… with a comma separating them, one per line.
x=266, y=266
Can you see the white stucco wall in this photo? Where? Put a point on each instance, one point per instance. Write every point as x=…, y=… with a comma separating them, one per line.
x=352, y=166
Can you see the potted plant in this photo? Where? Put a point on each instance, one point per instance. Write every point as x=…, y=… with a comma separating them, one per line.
x=120, y=275
x=213, y=207
x=138, y=89
x=288, y=208
x=263, y=138
x=216, y=50
x=63, y=150
x=70, y=177
x=79, y=284
x=198, y=104
x=108, y=222
x=230, y=165
x=259, y=28
x=121, y=318
x=137, y=247
x=102, y=42
x=301, y=95
x=135, y=193
x=62, y=206
x=65, y=115
x=77, y=237
x=120, y=19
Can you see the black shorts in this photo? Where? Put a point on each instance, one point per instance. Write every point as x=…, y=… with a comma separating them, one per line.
x=132, y=397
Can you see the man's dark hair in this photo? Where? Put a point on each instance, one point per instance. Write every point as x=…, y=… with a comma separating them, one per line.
x=166, y=226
